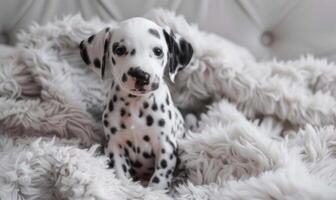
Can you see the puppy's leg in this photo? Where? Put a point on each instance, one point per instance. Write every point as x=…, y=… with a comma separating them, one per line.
x=164, y=164
x=118, y=160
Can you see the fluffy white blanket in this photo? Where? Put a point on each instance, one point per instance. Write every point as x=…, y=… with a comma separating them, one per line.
x=264, y=129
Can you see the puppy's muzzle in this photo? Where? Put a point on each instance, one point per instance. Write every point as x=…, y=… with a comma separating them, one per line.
x=141, y=77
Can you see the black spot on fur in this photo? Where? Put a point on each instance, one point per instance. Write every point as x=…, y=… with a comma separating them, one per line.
x=123, y=126
x=124, y=77
x=146, y=155
x=115, y=98
x=103, y=67
x=154, y=106
x=179, y=53
x=111, y=155
x=122, y=112
x=117, y=88
x=129, y=143
x=138, y=149
x=146, y=138
x=133, y=52
x=137, y=164
x=107, y=30
x=173, y=51
x=111, y=164
x=170, y=142
x=140, y=113
x=169, y=114
x=124, y=167
x=163, y=163
x=163, y=151
x=162, y=108
x=167, y=100
x=156, y=179
x=91, y=38
x=113, y=130
x=126, y=152
x=145, y=104
x=161, y=122
x=105, y=123
x=96, y=63
x=132, y=172
x=154, y=32
x=84, y=54
x=131, y=96
x=110, y=107
x=149, y=120
x=113, y=61
x=106, y=44
x=168, y=173
x=186, y=52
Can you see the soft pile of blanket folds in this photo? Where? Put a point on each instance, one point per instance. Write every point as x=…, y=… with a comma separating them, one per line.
x=264, y=130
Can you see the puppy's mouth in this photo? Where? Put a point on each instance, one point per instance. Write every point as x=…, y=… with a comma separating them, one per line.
x=147, y=88
x=133, y=87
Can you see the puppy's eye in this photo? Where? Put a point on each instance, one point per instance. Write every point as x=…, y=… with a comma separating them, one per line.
x=120, y=50
x=157, y=51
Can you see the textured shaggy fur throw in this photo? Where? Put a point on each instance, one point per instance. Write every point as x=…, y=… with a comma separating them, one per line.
x=263, y=130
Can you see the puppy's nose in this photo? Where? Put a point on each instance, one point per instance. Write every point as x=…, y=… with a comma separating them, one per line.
x=142, y=77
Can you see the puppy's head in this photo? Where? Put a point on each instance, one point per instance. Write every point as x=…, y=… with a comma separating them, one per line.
x=136, y=52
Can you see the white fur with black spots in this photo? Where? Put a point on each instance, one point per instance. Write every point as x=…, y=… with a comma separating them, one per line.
x=140, y=121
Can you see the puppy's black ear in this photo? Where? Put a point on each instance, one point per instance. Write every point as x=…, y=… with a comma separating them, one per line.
x=95, y=51
x=179, y=52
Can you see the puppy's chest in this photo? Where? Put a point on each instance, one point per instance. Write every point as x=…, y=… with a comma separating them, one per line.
x=154, y=115
x=139, y=124
x=132, y=114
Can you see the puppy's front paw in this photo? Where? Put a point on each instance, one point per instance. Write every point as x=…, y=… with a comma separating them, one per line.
x=159, y=183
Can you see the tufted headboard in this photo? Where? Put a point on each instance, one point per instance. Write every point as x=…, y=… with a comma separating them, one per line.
x=282, y=29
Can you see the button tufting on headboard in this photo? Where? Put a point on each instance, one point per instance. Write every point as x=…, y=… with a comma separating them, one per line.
x=267, y=38
x=282, y=29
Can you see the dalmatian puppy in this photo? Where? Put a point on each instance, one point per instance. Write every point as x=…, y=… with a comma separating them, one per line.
x=140, y=120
